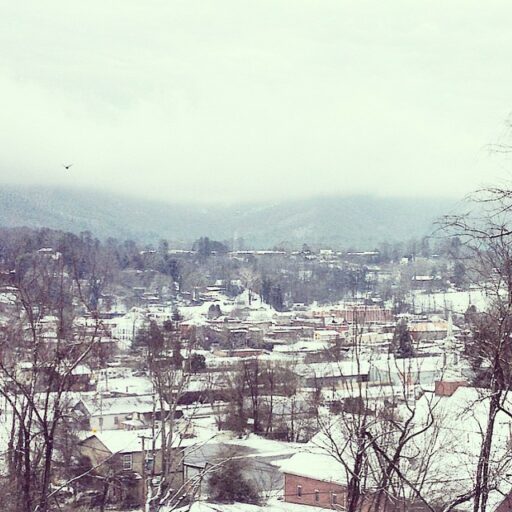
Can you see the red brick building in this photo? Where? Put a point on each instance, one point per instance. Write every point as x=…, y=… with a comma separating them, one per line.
x=308, y=491
x=319, y=480
x=314, y=478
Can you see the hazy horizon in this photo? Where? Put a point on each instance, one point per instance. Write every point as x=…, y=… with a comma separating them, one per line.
x=219, y=203
x=236, y=101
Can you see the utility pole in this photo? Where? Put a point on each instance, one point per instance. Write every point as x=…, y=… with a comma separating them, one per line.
x=144, y=478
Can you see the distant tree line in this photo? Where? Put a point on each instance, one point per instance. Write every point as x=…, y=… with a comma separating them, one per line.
x=281, y=279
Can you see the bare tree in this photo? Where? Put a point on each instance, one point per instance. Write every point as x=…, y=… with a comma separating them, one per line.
x=43, y=346
x=485, y=233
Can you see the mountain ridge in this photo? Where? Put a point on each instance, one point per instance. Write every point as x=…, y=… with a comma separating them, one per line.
x=340, y=221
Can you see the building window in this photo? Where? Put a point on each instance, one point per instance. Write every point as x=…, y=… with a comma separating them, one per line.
x=334, y=499
x=116, y=420
x=127, y=462
x=299, y=490
x=317, y=495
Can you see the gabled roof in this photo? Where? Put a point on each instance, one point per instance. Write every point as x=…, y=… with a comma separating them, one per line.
x=120, y=441
x=130, y=441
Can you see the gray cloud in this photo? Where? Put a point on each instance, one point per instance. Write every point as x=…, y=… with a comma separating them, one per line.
x=235, y=99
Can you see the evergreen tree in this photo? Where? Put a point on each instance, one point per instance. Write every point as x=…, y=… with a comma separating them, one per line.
x=177, y=358
x=276, y=300
x=459, y=274
x=197, y=363
x=266, y=287
x=150, y=337
x=402, y=341
x=176, y=316
x=229, y=484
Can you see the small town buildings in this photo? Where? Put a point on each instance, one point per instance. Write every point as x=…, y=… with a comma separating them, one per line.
x=132, y=461
x=356, y=313
x=102, y=412
x=78, y=378
x=435, y=329
x=125, y=328
x=454, y=414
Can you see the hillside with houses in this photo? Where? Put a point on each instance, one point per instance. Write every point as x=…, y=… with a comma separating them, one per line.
x=170, y=379
x=255, y=256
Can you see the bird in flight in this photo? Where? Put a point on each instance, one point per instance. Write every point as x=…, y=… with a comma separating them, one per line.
x=67, y=166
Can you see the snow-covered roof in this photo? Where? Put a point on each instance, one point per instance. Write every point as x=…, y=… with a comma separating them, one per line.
x=132, y=384
x=317, y=464
x=81, y=369
x=333, y=369
x=123, y=441
x=452, y=444
x=99, y=405
x=304, y=346
x=408, y=364
x=130, y=441
x=270, y=506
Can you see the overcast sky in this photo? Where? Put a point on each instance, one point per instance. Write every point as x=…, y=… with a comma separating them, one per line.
x=233, y=99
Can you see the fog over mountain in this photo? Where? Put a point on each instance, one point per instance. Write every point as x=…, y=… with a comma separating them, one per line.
x=343, y=221
x=255, y=100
